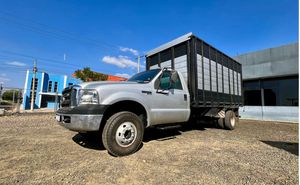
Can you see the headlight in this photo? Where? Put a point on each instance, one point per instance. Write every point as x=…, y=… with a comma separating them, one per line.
x=88, y=96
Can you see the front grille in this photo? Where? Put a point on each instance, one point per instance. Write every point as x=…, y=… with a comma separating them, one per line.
x=69, y=96
x=66, y=97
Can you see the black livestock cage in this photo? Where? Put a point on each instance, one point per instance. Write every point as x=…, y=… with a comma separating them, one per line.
x=213, y=78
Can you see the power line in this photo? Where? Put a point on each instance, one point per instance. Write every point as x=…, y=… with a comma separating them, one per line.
x=11, y=68
x=24, y=70
x=44, y=65
x=53, y=31
x=47, y=61
x=15, y=71
x=42, y=60
x=39, y=58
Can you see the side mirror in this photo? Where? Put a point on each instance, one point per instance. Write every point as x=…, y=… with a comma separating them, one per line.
x=166, y=82
x=174, y=77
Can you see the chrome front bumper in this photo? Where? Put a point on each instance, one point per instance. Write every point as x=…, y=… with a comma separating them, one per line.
x=79, y=122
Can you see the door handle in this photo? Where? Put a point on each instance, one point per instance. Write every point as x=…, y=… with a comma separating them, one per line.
x=147, y=92
x=185, y=97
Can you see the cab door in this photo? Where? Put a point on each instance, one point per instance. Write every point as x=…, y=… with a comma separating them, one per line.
x=170, y=100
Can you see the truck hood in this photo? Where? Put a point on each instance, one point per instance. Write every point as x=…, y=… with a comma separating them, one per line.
x=97, y=84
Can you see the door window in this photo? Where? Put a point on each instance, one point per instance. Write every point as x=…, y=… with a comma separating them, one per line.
x=165, y=81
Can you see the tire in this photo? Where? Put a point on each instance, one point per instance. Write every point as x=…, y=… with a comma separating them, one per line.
x=220, y=123
x=123, y=134
x=230, y=120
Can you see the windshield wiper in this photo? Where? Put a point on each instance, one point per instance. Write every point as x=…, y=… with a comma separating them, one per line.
x=140, y=81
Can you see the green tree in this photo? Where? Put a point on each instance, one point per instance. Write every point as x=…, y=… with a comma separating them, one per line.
x=8, y=95
x=86, y=74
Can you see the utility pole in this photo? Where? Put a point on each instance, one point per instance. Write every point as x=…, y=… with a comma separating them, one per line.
x=1, y=88
x=139, y=61
x=18, y=101
x=139, y=58
x=33, y=86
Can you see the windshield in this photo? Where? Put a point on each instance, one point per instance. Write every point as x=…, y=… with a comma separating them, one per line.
x=145, y=77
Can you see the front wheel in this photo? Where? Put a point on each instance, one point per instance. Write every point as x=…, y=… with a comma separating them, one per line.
x=123, y=133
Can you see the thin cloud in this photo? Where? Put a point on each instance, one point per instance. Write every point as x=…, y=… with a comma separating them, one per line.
x=124, y=75
x=120, y=61
x=16, y=63
x=130, y=50
x=3, y=79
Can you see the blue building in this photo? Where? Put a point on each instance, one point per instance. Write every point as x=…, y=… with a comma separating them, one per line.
x=46, y=87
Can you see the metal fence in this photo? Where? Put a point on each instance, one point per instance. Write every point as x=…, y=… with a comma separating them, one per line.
x=10, y=99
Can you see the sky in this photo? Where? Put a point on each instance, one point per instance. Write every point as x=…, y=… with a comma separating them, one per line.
x=107, y=36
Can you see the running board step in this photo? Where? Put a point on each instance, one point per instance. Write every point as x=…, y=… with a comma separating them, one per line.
x=168, y=127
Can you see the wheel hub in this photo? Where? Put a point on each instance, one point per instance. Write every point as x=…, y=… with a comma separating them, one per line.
x=126, y=134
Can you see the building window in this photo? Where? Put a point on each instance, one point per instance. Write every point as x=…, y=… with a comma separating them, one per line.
x=274, y=91
x=35, y=88
x=253, y=97
x=50, y=86
x=252, y=93
x=270, y=91
x=55, y=86
x=35, y=84
x=281, y=91
x=70, y=84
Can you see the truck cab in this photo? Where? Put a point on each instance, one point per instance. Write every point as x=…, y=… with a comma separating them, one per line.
x=122, y=110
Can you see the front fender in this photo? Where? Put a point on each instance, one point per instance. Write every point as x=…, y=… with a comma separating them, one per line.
x=127, y=96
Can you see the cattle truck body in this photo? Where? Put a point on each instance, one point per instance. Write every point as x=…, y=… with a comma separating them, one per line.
x=214, y=79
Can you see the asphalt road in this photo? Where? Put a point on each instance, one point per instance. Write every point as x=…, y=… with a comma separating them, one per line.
x=35, y=150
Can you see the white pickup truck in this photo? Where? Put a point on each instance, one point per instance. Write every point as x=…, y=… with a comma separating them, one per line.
x=121, y=111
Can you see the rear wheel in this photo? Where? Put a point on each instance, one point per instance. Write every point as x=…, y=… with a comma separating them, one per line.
x=230, y=120
x=123, y=133
x=220, y=122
